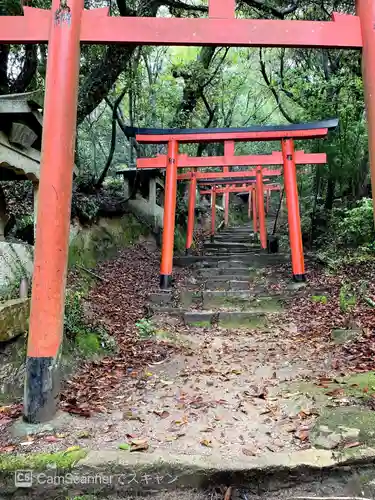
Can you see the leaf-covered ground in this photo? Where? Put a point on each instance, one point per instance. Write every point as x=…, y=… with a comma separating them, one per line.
x=192, y=390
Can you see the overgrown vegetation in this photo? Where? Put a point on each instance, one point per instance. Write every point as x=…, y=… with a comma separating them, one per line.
x=89, y=340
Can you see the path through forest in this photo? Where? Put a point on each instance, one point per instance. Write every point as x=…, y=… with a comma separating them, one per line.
x=238, y=362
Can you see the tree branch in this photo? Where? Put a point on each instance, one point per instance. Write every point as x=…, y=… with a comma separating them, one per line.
x=113, y=138
x=27, y=72
x=277, y=12
x=272, y=89
x=176, y=4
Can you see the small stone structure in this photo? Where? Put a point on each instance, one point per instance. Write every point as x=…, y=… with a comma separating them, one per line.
x=147, y=206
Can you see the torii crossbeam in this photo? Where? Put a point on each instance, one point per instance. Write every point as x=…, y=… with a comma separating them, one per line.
x=64, y=27
x=230, y=160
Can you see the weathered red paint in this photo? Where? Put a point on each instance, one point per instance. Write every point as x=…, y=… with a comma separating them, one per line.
x=98, y=27
x=255, y=215
x=366, y=13
x=55, y=188
x=249, y=203
x=276, y=158
x=228, y=153
x=239, y=189
x=222, y=9
x=191, y=211
x=260, y=207
x=213, y=212
x=169, y=215
x=223, y=182
x=221, y=176
x=294, y=222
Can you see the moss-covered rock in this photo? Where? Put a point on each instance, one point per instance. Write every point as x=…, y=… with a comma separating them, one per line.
x=102, y=241
x=337, y=419
x=14, y=318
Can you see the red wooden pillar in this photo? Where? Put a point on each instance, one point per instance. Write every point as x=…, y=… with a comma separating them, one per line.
x=191, y=211
x=228, y=151
x=249, y=203
x=366, y=12
x=290, y=186
x=261, y=211
x=255, y=215
x=213, y=212
x=53, y=213
x=169, y=216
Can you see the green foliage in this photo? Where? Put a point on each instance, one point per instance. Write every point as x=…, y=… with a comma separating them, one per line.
x=347, y=298
x=88, y=340
x=179, y=239
x=146, y=328
x=321, y=299
x=353, y=227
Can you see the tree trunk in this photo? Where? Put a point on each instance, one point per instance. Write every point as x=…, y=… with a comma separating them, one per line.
x=330, y=193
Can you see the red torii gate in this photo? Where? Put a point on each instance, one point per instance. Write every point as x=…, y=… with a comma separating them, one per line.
x=64, y=27
x=255, y=188
x=229, y=159
x=285, y=133
x=230, y=187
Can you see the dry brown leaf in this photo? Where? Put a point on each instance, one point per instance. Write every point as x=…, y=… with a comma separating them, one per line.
x=206, y=442
x=138, y=445
x=228, y=493
x=248, y=452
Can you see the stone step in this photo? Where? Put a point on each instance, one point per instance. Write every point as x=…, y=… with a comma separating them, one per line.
x=205, y=319
x=250, y=258
x=210, y=273
x=229, y=245
x=241, y=299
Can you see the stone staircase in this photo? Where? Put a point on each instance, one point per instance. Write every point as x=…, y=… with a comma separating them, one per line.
x=235, y=284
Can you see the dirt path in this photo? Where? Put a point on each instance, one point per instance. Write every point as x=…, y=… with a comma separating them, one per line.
x=225, y=360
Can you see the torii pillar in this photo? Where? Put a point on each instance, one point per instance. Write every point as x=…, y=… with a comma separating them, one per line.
x=52, y=231
x=294, y=220
x=191, y=211
x=366, y=13
x=228, y=151
x=261, y=210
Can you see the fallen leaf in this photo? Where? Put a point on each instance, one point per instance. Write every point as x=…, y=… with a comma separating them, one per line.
x=51, y=439
x=206, y=442
x=83, y=435
x=72, y=448
x=336, y=392
x=124, y=446
x=247, y=452
x=138, y=445
x=7, y=449
x=228, y=493
x=161, y=413
x=302, y=435
x=352, y=445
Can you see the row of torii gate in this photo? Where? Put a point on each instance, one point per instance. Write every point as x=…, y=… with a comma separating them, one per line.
x=288, y=158
x=65, y=27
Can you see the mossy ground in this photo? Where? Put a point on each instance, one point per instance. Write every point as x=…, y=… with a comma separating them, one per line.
x=62, y=460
